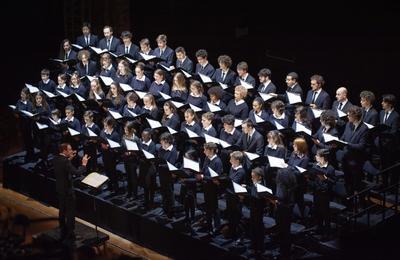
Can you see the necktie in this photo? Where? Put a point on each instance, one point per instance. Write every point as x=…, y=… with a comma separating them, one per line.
x=385, y=117
x=161, y=52
x=223, y=76
x=108, y=44
x=340, y=106
x=66, y=56
x=87, y=40
x=248, y=139
x=314, y=97
x=264, y=88
x=126, y=50
x=87, y=69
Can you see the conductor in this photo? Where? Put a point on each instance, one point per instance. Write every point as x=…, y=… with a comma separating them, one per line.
x=64, y=172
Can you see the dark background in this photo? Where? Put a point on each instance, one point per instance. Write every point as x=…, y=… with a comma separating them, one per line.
x=353, y=46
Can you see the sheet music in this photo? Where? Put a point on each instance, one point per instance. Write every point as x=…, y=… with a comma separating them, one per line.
x=190, y=164
x=278, y=126
x=191, y=134
x=41, y=126
x=205, y=78
x=265, y=97
x=65, y=95
x=171, y=167
x=223, y=86
x=369, y=125
x=238, y=188
x=177, y=104
x=246, y=85
x=251, y=156
x=171, y=131
x=91, y=133
x=125, y=87
x=165, y=96
x=28, y=113
x=114, y=114
x=317, y=112
x=140, y=94
x=211, y=139
x=260, y=189
x=213, y=108
x=300, y=169
x=131, y=145
x=77, y=46
x=148, y=155
x=72, y=131
x=113, y=144
x=153, y=123
x=302, y=128
x=132, y=61
x=95, y=180
x=293, y=98
x=341, y=113
x=147, y=57
x=13, y=107
x=32, y=89
x=106, y=80
x=258, y=119
x=238, y=122
x=97, y=96
x=213, y=174
x=195, y=109
x=49, y=94
x=187, y=75
x=277, y=162
x=81, y=99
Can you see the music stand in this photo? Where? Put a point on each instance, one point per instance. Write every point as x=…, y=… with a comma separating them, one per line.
x=95, y=181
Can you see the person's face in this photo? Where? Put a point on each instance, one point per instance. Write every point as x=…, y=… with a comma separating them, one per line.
x=74, y=80
x=88, y=120
x=319, y=159
x=180, y=55
x=146, y=102
x=295, y=149
x=351, y=118
x=85, y=30
x=113, y=89
x=67, y=46
x=121, y=67
x=364, y=103
x=144, y=47
x=194, y=90
x=255, y=178
x=157, y=77
x=69, y=114
x=234, y=162
x=93, y=86
x=256, y=106
x=241, y=72
x=228, y=128
x=126, y=130
x=262, y=79
x=385, y=105
x=68, y=152
x=246, y=129
x=205, y=122
x=126, y=40
x=222, y=66
x=23, y=96
x=138, y=72
x=167, y=110
x=60, y=81
x=38, y=99
x=44, y=76
x=105, y=63
x=213, y=98
x=146, y=136
x=340, y=96
x=270, y=140
x=107, y=33
x=297, y=117
x=314, y=85
x=85, y=58
x=275, y=111
x=161, y=44
x=201, y=60
x=189, y=117
x=208, y=153
x=237, y=95
x=290, y=81
x=164, y=144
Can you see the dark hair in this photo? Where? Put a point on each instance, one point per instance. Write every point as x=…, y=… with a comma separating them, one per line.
x=201, y=53
x=293, y=75
x=228, y=119
x=180, y=49
x=258, y=171
x=216, y=91
x=62, y=147
x=319, y=79
x=86, y=24
x=329, y=118
x=109, y=121
x=264, y=73
x=242, y=66
x=126, y=34
x=390, y=99
x=161, y=37
x=225, y=59
x=70, y=108
x=355, y=112
x=368, y=95
x=248, y=123
x=211, y=146
x=166, y=137
x=88, y=113
x=324, y=153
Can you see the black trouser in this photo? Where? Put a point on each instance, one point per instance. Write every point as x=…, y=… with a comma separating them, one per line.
x=132, y=179
x=167, y=190
x=321, y=210
x=283, y=221
x=90, y=149
x=26, y=130
x=66, y=215
x=353, y=175
x=110, y=162
x=147, y=175
x=234, y=210
x=257, y=229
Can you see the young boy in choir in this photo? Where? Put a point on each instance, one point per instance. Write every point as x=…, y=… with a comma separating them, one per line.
x=90, y=145
x=167, y=152
x=278, y=114
x=203, y=66
x=147, y=169
x=230, y=135
x=207, y=126
x=130, y=160
x=56, y=135
x=196, y=96
x=72, y=122
x=46, y=83
x=243, y=74
x=322, y=185
x=237, y=106
x=159, y=84
x=210, y=185
x=257, y=204
x=107, y=68
x=109, y=155
x=131, y=105
x=237, y=174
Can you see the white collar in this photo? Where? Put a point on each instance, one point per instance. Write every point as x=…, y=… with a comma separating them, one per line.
x=142, y=78
x=69, y=120
x=24, y=102
x=217, y=103
x=191, y=124
x=90, y=126
x=280, y=117
x=108, y=132
x=46, y=82
x=169, y=148
x=322, y=165
x=208, y=128
x=147, y=143
x=237, y=167
x=213, y=157
x=266, y=83
x=239, y=102
x=233, y=130
x=273, y=147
